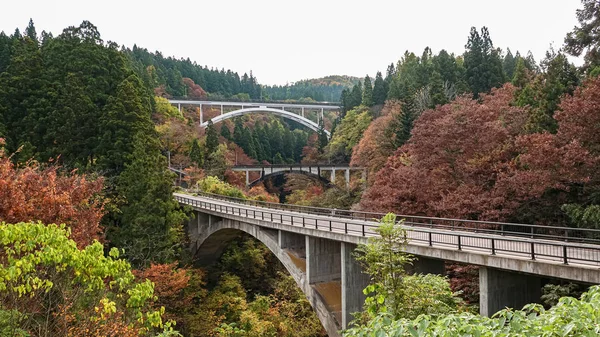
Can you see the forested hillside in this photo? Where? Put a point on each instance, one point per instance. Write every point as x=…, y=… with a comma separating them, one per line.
x=177, y=77
x=326, y=89
x=93, y=244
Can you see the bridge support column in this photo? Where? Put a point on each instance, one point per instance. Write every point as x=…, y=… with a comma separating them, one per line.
x=332, y=175
x=425, y=265
x=353, y=283
x=323, y=260
x=201, y=115
x=499, y=289
x=347, y=176
x=221, y=109
x=247, y=178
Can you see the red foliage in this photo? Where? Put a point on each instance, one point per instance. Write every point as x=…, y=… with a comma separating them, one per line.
x=169, y=284
x=470, y=160
x=579, y=116
x=33, y=193
x=236, y=178
x=193, y=89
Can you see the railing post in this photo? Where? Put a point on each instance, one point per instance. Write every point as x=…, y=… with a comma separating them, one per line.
x=532, y=232
x=532, y=251
x=330, y=225
x=565, y=259
x=363, y=229
x=459, y=245
x=430, y=240
x=303, y=225
x=346, y=227
x=493, y=247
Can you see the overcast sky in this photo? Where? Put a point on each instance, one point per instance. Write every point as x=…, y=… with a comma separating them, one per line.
x=285, y=41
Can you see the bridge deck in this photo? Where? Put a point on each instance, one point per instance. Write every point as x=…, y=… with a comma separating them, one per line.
x=484, y=243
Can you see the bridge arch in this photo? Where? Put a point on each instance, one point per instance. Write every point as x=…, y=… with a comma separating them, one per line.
x=212, y=240
x=278, y=112
x=266, y=176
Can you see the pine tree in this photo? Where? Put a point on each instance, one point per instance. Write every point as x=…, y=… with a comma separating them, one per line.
x=212, y=139
x=196, y=154
x=520, y=77
x=367, y=96
x=288, y=145
x=148, y=226
x=323, y=140
x=379, y=92
x=482, y=62
x=509, y=64
x=585, y=37
x=225, y=132
x=355, y=96
x=30, y=32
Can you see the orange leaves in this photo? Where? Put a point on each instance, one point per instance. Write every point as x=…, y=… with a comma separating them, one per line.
x=377, y=144
x=33, y=193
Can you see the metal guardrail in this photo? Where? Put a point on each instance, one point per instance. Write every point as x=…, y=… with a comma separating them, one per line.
x=482, y=240
x=566, y=234
x=315, y=165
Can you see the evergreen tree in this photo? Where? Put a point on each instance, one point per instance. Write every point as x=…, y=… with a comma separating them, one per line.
x=367, y=96
x=405, y=124
x=196, y=154
x=379, y=92
x=355, y=97
x=238, y=130
x=30, y=32
x=212, y=139
x=586, y=37
x=148, y=226
x=345, y=101
x=289, y=144
x=509, y=64
x=323, y=140
x=225, y=132
x=520, y=76
x=482, y=63
x=125, y=115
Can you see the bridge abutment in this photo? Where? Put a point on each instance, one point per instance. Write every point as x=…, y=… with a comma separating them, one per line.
x=499, y=289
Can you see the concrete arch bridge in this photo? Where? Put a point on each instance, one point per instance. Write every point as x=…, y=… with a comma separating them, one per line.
x=295, y=112
x=315, y=245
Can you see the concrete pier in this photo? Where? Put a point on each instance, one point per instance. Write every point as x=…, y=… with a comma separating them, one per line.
x=353, y=283
x=323, y=260
x=499, y=289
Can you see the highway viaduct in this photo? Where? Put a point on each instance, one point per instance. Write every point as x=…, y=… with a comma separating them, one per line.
x=315, y=245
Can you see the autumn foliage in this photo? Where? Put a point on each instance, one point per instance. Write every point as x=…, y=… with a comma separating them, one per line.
x=377, y=143
x=36, y=193
x=472, y=159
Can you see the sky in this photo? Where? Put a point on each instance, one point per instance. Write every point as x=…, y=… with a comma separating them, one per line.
x=283, y=41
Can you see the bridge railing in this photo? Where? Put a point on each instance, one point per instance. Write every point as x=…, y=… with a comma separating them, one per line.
x=315, y=165
x=482, y=241
x=540, y=232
